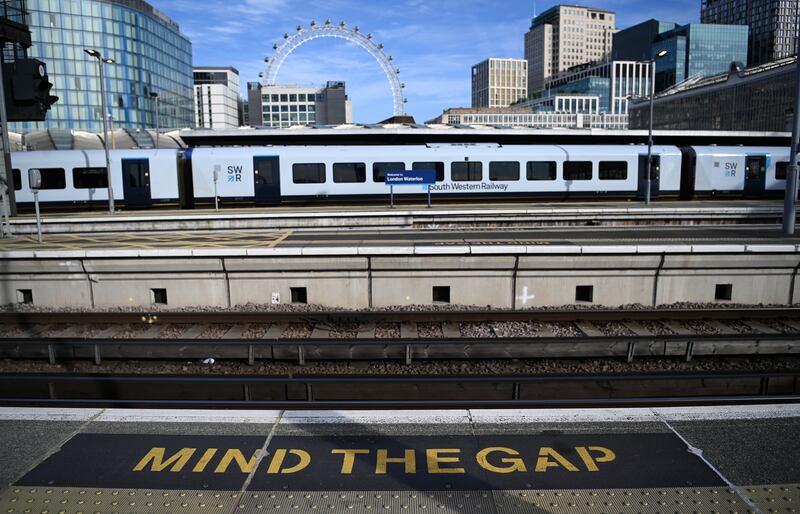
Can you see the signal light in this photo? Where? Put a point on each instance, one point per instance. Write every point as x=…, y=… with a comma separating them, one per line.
x=27, y=89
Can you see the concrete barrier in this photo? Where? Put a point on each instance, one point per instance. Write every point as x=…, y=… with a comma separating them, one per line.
x=508, y=277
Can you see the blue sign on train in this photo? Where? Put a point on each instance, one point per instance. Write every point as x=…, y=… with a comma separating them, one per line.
x=411, y=178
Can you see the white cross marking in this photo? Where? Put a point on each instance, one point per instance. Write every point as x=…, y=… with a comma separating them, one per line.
x=525, y=296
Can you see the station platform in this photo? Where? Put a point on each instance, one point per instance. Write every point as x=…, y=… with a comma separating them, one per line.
x=568, y=240
x=377, y=216
x=699, y=460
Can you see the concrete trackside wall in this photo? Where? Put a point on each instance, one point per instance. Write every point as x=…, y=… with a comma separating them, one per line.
x=502, y=278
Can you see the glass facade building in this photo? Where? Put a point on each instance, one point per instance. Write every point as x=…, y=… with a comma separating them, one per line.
x=774, y=25
x=697, y=51
x=150, y=53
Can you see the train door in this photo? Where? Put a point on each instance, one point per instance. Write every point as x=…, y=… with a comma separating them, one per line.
x=136, y=183
x=267, y=180
x=655, y=176
x=688, y=172
x=755, y=175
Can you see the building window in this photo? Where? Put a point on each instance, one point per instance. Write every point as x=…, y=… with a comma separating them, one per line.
x=301, y=97
x=308, y=173
x=541, y=170
x=276, y=98
x=284, y=98
x=466, y=171
x=89, y=178
x=379, y=169
x=438, y=167
x=504, y=171
x=349, y=173
x=577, y=170
x=613, y=170
x=292, y=98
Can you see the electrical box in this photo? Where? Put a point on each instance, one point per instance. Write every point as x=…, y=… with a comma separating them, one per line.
x=35, y=179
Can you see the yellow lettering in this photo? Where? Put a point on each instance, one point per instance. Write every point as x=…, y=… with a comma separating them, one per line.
x=516, y=464
x=409, y=460
x=349, y=459
x=280, y=456
x=544, y=462
x=246, y=466
x=434, y=459
x=159, y=464
x=586, y=457
x=204, y=460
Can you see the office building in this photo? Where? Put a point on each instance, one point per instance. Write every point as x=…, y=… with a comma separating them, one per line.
x=635, y=43
x=283, y=106
x=696, y=51
x=565, y=36
x=773, y=25
x=216, y=97
x=606, y=87
x=499, y=82
x=756, y=99
x=150, y=53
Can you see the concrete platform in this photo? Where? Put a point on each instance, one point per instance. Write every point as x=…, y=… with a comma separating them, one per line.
x=360, y=269
x=376, y=216
x=726, y=459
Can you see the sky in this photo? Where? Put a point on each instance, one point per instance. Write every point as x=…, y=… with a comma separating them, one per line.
x=434, y=43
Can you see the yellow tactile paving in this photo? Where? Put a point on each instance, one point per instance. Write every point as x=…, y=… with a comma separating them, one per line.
x=145, y=241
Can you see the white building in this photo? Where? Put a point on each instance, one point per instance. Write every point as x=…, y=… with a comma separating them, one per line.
x=499, y=82
x=288, y=105
x=216, y=97
x=565, y=36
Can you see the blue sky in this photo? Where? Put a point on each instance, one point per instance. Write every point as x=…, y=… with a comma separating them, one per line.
x=433, y=42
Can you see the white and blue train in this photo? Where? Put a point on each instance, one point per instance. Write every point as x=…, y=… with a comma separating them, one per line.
x=281, y=174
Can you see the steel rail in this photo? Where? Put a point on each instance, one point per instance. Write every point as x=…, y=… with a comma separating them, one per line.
x=302, y=350
x=398, y=316
x=304, y=392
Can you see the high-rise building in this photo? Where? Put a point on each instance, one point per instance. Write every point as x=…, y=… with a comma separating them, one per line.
x=216, y=97
x=693, y=51
x=150, y=53
x=565, y=36
x=696, y=51
x=773, y=25
x=635, y=43
x=283, y=106
x=499, y=82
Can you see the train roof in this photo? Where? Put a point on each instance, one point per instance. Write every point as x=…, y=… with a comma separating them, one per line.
x=402, y=134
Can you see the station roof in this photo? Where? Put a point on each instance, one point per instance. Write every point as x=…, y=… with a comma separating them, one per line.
x=400, y=134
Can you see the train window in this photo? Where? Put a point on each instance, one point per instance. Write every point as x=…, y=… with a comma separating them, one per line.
x=467, y=171
x=436, y=166
x=613, y=170
x=504, y=171
x=541, y=170
x=89, y=178
x=781, y=170
x=349, y=172
x=577, y=170
x=53, y=178
x=379, y=169
x=308, y=173
x=17, y=180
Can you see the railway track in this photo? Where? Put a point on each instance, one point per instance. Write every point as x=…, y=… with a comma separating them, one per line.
x=385, y=392
x=400, y=336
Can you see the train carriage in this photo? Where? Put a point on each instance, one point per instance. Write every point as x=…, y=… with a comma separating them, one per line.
x=272, y=175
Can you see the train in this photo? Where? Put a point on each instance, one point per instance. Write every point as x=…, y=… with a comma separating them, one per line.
x=276, y=175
